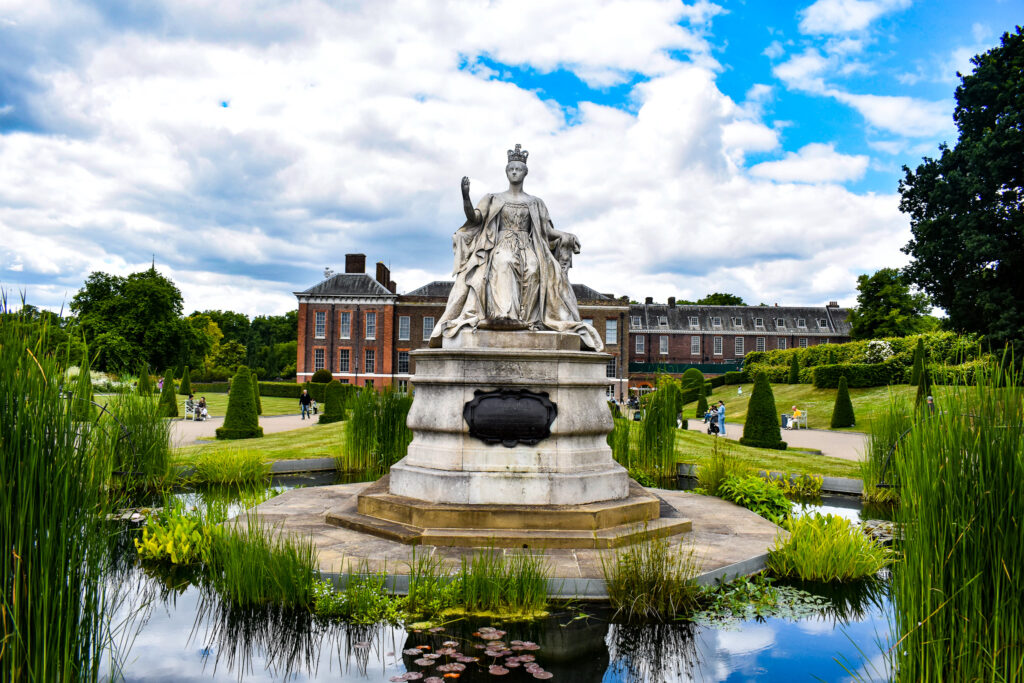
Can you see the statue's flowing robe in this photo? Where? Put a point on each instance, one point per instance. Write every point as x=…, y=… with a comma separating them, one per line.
x=474, y=243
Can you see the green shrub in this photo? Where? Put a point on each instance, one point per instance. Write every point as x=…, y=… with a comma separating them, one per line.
x=736, y=377
x=716, y=381
x=651, y=580
x=256, y=393
x=702, y=406
x=857, y=374
x=241, y=421
x=145, y=385
x=186, y=383
x=168, y=398
x=794, y=369
x=322, y=376
x=915, y=373
x=826, y=548
x=757, y=495
x=364, y=599
x=176, y=537
x=709, y=387
x=842, y=411
x=334, y=406
x=761, y=429
x=210, y=387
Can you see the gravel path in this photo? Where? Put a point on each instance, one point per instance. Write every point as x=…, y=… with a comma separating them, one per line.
x=844, y=445
x=188, y=432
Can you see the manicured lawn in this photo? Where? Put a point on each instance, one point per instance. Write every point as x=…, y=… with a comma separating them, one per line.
x=817, y=403
x=217, y=405
x=318, y=441
x=696, y=447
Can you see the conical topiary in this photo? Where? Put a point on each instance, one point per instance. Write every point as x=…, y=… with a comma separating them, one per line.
x=762, y=427
x=145, y=387
x=256, y=393
x=168, y=400
x=334, y=403
x=241, y=421
x=794, y=368
x=702, y=405
x=186, y=383
x=918, y=368
x=924, y=388
x=842, y=411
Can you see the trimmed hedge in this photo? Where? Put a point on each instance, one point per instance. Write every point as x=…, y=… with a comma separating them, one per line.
x=794, y=369
x=241, y=421
x=716, y=381
x=334, y=405
x=762, y=426
x=322, y=376
x=168, y=399
x=702, y=407
x=186, y=384
x=918, y=368
x=842, y=411
x=857, y=374
x=145, y=385
x=736, y=377
x=210, y=387
x=256, y=393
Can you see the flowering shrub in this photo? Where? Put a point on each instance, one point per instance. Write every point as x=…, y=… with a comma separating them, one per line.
x=878, y=351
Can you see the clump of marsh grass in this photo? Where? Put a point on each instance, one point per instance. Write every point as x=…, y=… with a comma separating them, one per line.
x=54, y=601
x=886, y=433
x=432, y=587
x=713, y=472
x=492, y=581
x=959, y=593
x=363, y=599
x=826, y=548
x=647, y=448
x=651, y=580
x=235, y=466
x=137, y=439
x=376, y=435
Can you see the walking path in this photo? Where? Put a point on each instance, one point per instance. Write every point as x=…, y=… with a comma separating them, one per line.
x=844, y=445
x=188, y=432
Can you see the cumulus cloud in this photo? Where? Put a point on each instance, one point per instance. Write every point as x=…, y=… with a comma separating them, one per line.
x=909, y=116
x=844, y=16
x=813, y=163
x=249, y=150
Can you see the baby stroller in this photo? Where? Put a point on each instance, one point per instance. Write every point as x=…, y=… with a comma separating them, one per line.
x=713, y=426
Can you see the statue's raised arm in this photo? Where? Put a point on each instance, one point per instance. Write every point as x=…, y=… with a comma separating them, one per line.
x=472, y=214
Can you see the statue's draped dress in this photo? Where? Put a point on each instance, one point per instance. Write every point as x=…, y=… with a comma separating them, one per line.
x=505, y=269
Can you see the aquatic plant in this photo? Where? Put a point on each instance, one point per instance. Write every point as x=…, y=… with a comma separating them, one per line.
x=651, y=580
x=234, y=466
x=176, y=537
x=432, y=587
x=878, y=463
x=713, y=471
x=618, y=440
x=137, y=441
x=376, y=435
x=54, y=601
x=802, y=487
x=826, y=548
x=958, y=591
x=363, y=599
x=490, y=580
x=757, y=495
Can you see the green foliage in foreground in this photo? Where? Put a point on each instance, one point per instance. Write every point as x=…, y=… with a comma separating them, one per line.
x=241, y=421
x=762, y=426
x=376, y=436
x=235, y=466
x=826, y=548
x=886, y=431
x=757, y=494
x=918, y=366
x=651, y=580
x=137, y=440
x=256, y=393
x=842, y=411
x=958, y=593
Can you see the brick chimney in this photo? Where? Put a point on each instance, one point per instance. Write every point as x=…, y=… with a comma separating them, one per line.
x=393, y=287
x=671, y=302
x=383, y=274
x=648, y=301
x=355, y=263
x=833, y=304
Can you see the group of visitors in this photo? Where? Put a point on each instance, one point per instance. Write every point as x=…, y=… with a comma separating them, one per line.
x=307, y=405
x=715, y=418
x=197, y=410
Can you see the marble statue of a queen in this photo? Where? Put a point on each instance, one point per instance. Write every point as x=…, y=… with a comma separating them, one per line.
x=511, y=266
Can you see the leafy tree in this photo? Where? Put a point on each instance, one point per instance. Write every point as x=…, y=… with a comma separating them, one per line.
x=761, y=429
x=334, y=403
x=241, y=421
x=918, y=368
x=966, y=207
x=232, y=326
x=716, y=299
x=887, y=308
x=256, y=393
x=168, y=399
x=842, y=411
x=228, y=354
x=186, y=383
x=794, y=368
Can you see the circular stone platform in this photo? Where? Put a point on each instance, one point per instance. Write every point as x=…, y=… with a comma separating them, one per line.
x=730, y=541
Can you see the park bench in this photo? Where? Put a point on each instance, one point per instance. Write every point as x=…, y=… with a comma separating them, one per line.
x=800, y=421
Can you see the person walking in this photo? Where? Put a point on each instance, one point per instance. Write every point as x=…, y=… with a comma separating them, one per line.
x=721, y=418
x=305, y=400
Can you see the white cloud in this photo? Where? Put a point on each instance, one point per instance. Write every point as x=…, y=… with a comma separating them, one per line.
x=804, y=71
x=909, y=116
x=774, y=50
x=813, y=163
x=844, y=16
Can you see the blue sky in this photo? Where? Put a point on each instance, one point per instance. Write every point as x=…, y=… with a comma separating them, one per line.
x=748, y=147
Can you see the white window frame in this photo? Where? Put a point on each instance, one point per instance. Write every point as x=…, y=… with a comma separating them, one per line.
x=404, y=327
x=737, y=323
x=640, y=343
x=634, y=320
x=759, y=344
x=717, y=348
x=319, y=324
x=611, y=331
x=403, y=386
x=716, y=321
x=370, y=361
x=403, y=355
x=345, y=325
x=694, y=322
x=344, y=360
x=759, y=322
x=782, y=343
x=662, y=321
x=611, y=368
x=780, y=323
x=428, y=326
x=663, y=345
x=370, y=321
x=318, y=359
x=802, y=342
x=738, y=347
x=801, y=323
x=823, y=323
x=695, y=345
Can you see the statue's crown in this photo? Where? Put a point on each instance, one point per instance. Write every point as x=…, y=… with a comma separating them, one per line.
x=518, y=154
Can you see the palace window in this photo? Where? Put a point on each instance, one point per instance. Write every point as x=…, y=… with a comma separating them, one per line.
x=428, y=327
x=611, y=331
x=662, y=321
x=403, y=386
x=403, y=362
x=635, y=321
x=803, y=342
x=822, y=323
x=318, y=359
x=738, y=346
x=759, y=344
x=345, y=325
x=694, y=345
x=801, y=323
x=782, y=343
x=780, y=323
x=321, y=318
x=758, y=322
x=639, y=343
x=663, y=343
x=718, y=346
x=371, y=325
x=370, y=366
x=368, y=383
x=716, y=321
x=694, y=322
x=342, y=360
x=611, y=369
x=737, y=322
x=403, y=327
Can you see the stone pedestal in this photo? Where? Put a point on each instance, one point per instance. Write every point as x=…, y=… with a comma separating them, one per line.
x=445, y=464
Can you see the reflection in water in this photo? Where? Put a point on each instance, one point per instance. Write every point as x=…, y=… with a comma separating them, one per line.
x=652, y=652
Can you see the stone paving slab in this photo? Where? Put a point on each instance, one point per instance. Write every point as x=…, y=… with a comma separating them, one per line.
x=728, y=541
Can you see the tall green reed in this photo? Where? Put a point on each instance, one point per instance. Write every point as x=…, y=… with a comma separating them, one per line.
x=137, y=439
x=886, y=432
x=237, y=466
x=647, y=448
x=959, y=591
x=491, y=581
x=826, y=548
x=376, y=435
x=53, y=536
x=651, y=580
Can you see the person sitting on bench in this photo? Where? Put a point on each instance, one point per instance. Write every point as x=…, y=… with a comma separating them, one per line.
x=795, y=420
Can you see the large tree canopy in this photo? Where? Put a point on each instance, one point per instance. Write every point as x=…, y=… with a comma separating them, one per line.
x=887, y=308
x=966, y=208
x=716, y=299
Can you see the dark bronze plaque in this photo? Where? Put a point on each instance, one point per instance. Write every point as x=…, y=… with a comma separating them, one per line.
x=510, y=416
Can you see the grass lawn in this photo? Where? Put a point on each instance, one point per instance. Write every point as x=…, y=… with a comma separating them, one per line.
x=217, y=405
x=318, y=441
x=817, y=403
x=696, y=447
